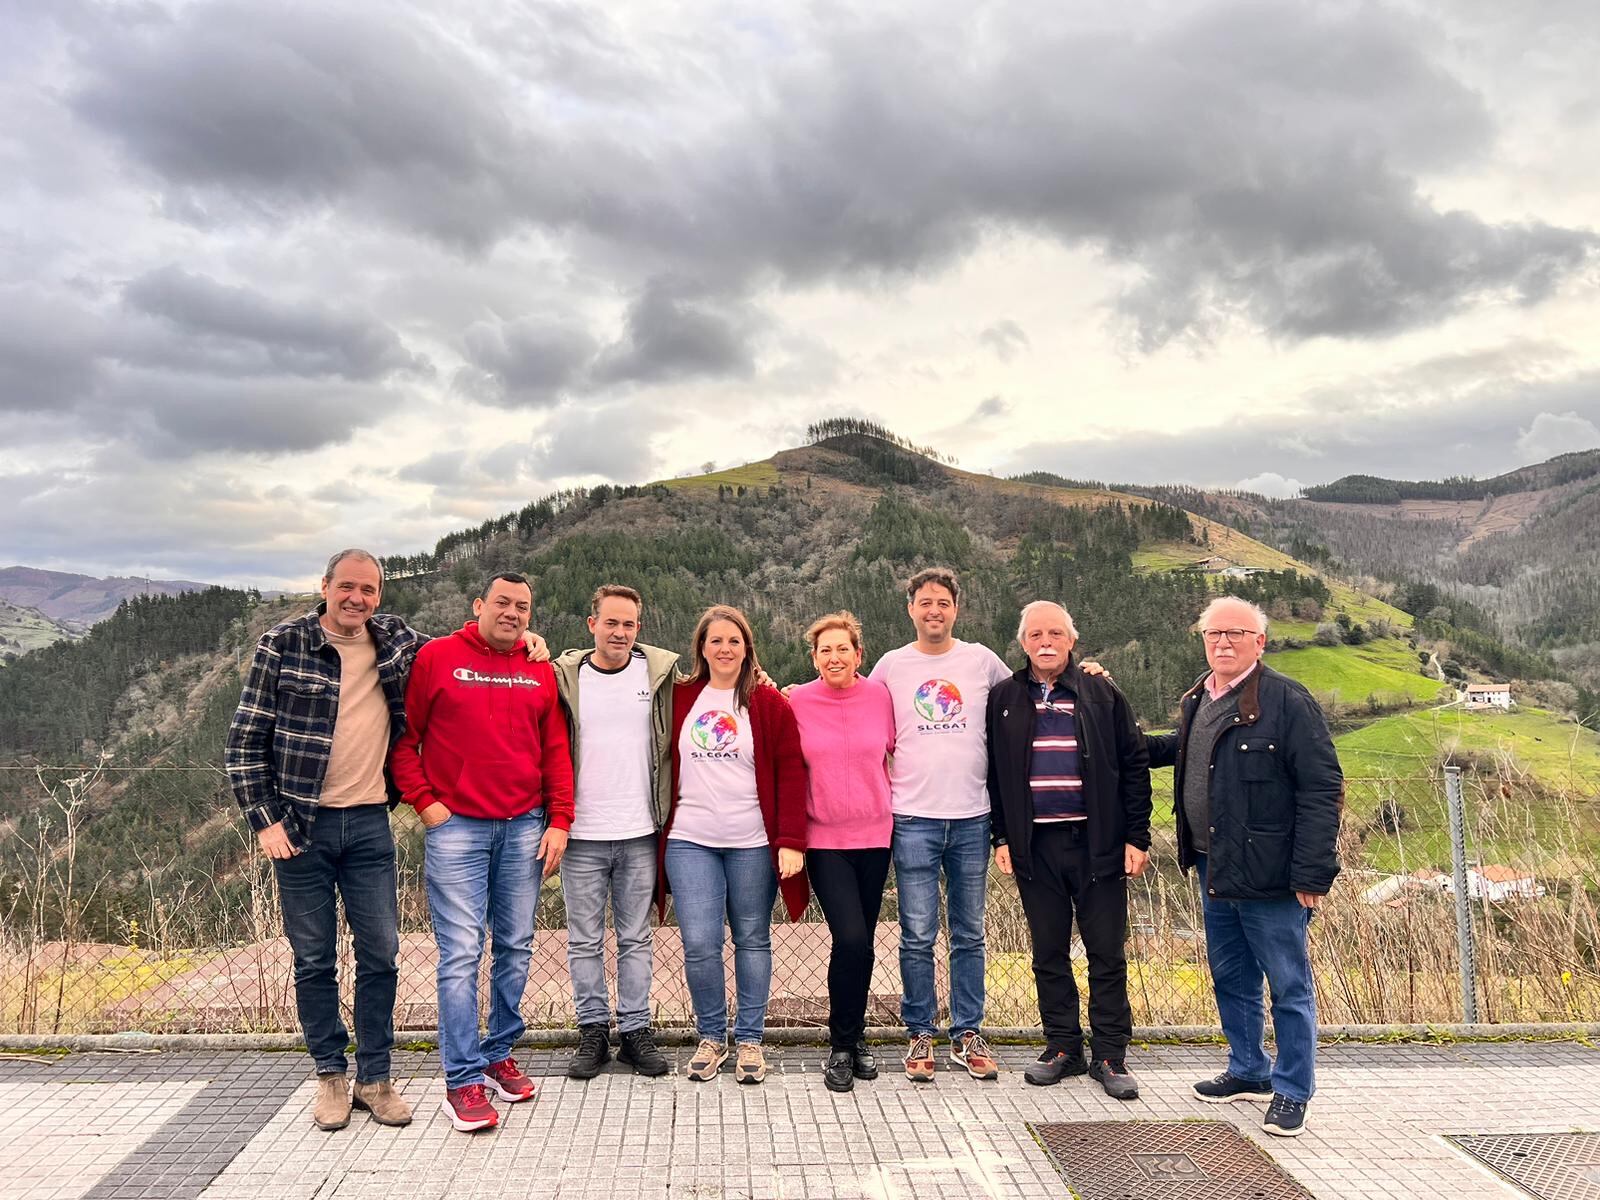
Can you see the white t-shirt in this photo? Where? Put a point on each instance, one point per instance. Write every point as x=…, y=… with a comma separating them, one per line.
x=613, y=798
x=941, y=765
x=717, y=803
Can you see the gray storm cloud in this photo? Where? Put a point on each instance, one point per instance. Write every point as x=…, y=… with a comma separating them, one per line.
x=265, y=227
x=1253, y=159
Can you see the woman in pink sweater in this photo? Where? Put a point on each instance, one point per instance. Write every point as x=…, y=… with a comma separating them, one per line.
x=846, y=734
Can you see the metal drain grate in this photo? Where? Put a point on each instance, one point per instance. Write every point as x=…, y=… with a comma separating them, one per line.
x=1167, y=1160
x=1551, y=1166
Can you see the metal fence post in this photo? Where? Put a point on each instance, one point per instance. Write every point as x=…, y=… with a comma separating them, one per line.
x=1458, y=863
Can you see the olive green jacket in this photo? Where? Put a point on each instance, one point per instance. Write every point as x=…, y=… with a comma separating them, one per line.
x=662, y=667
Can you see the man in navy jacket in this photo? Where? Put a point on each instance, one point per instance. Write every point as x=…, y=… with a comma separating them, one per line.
x=1258, y=792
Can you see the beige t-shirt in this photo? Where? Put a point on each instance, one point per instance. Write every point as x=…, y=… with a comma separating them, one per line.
x=361, y=730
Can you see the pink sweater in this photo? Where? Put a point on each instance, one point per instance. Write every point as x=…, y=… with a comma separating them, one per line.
x=845, y=735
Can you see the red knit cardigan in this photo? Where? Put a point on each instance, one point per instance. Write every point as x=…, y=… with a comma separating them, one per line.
x=780, y=786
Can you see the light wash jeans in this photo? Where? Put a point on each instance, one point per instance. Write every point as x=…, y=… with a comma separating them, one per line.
x=623, y=872
x=483, y=877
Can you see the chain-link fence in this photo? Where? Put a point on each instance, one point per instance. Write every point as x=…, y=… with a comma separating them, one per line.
x=134, y=899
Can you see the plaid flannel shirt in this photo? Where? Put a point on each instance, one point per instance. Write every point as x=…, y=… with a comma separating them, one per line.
x=282, y=733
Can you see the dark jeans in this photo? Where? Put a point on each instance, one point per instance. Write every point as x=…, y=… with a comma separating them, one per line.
x=849, y=886
x=1248, y=941
x=352, y=850
x=1062, y=883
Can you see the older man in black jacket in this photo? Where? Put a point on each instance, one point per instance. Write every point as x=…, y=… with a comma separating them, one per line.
x=1258, y=792
x=1069, y=797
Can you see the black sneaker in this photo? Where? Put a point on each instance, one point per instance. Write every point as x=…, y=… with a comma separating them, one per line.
x=864, y=1063
x=1285, y=1117
x=639, y=1051
x=1113, y=1075
x=1226, y=1088
x=1054, y=1065
x=594, y=1052
x=838, y=1074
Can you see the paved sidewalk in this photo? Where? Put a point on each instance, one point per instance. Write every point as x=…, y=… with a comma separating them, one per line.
x=234, y=1125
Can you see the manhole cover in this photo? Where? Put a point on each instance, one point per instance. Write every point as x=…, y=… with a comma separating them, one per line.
x=1552, y=1166
x=1180, y=1160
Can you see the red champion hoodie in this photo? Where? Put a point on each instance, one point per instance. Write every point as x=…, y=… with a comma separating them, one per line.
x=484, y=732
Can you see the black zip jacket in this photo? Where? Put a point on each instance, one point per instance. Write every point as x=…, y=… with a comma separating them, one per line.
x=1276, y=791
x=1113, y=758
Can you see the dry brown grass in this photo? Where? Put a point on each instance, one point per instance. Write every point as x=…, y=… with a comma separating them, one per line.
x=197, y=961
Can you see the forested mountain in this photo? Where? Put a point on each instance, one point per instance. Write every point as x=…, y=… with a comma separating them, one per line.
x=1518, y=567
x=838, y=523
x=1370, y=489
x=61, y=702
x=76, y=602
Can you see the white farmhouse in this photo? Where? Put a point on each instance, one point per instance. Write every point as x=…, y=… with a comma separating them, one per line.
x=1488, y=695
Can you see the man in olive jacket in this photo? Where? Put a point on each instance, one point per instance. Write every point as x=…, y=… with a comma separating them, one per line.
x=1258, y=791
x=1069, y=796
x=618, y=700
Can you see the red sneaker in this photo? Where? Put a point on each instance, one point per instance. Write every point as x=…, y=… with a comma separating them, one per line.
x=507, y=1082
x=469, y=1109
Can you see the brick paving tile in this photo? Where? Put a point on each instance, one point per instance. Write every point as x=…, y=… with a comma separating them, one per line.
x=229, y=1126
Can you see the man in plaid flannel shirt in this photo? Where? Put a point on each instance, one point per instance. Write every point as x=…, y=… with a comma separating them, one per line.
x=322, y=705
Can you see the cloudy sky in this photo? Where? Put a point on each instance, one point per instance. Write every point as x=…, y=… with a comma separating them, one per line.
x=278, y=277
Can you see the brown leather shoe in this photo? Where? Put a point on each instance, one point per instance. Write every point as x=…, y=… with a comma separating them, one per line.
x=387, y=1106
x=332, y=1109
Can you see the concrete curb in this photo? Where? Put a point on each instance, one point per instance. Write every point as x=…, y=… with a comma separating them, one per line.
x=137, y=1041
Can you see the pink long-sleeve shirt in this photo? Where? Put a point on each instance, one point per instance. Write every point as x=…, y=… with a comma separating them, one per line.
x=846, y=735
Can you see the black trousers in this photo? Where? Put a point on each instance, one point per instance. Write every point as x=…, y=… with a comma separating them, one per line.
x=1060, y=886
x=849, y=886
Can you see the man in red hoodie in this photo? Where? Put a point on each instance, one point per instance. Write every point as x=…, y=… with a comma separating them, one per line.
x=485, y=761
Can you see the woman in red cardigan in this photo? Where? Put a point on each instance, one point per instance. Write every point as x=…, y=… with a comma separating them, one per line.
x=735, y=834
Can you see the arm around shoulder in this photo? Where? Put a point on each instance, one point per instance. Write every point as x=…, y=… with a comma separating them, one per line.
x=1134, y=772
x=1318, y=793
x=405, y=759
x=1162, y=749
x=248, y=756
x=789, y=769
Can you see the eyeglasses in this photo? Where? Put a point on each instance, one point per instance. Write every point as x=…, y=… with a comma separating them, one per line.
x=1228, y=635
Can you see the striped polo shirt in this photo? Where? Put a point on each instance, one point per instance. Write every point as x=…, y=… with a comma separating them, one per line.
x=1055, y=774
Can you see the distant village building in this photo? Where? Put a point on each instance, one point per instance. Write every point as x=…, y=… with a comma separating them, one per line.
x=1492, y=882
x=1488, y=695
x=1502, y=883
x=1217, y=565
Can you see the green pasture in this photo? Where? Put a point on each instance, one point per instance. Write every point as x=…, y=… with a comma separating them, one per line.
x=758, y=474
x=1386, y=670
x=1557, y=751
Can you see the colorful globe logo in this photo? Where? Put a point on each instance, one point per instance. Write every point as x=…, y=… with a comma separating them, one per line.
x=938, y=700
x=715, y=730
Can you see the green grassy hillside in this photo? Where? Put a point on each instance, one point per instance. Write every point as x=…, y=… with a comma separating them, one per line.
x=1531, y=786
x=1380, y=673
x=25, y=629
x=1559, y=752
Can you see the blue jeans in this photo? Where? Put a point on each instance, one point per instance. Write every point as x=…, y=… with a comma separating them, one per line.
x=709, y=884
x=483, y=877
x=923, y=846
x=625, y=872
x=1246, y=941
x=352, y=851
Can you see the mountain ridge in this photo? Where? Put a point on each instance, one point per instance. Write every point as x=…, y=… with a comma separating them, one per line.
x=75, y=601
